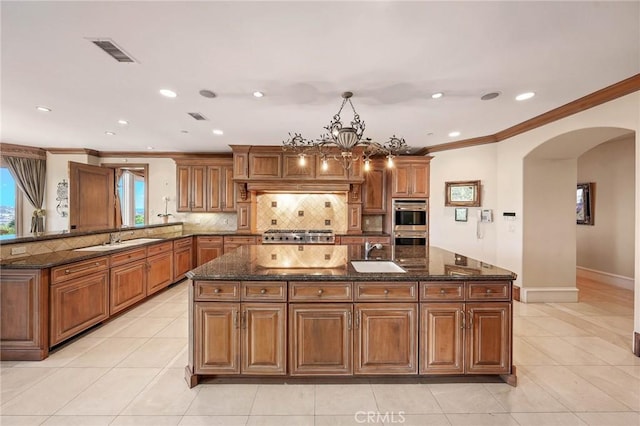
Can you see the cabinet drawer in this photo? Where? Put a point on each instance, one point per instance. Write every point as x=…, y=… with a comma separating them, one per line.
x=159, y=248
x=128, y=256
x=386, y=291
x=209, y=240
x=264, y=290
x=239, y=240
x=488, y=290
x=217, y=290
x=315, y=291
x=434, y=291
x=78, y=269
x=183, y=242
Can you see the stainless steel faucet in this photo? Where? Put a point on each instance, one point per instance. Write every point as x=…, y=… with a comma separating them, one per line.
x=115, y=238
x=368, y=247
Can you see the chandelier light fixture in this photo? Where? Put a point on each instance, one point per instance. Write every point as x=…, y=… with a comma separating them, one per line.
x=346, y=139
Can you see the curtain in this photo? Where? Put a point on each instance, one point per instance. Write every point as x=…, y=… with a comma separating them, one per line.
x=29, y=174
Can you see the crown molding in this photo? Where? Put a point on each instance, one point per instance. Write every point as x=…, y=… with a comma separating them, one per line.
x=609, y=93
x=68, y=151
x=12, y=150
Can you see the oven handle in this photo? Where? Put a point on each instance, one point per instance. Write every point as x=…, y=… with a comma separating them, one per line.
x=413, y=209
x=412, y=235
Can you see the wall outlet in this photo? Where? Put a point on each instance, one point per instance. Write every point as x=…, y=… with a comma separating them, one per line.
x=18, y=250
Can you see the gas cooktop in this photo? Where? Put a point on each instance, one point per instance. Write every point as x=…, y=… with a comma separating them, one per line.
x=298, y=236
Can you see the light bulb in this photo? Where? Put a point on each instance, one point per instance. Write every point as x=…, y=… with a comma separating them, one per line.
x=389, y=161
x=325, y=164
x=367, y=165
x=302, y=161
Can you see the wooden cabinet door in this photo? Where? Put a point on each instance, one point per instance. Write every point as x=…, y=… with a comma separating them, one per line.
x=291, y=168
x=244, y=217
x=400, y=180
x=183, y=188
x=208, y=248
x=264, y=343
x=182, y=259
x=199, y=188
x=420, y=180
x=91, y=197
x=374, y=190
x=385, y=338
x=488, y=339
x=159, y=272
x=215, y=188
x=78, y=304
x=441, y=338
x=354, y=218
x=24, y=310
x=128, y=285
x=333, y=169
x=320, y=339
x=216, y=338
x=265, y=165
x=228, y=190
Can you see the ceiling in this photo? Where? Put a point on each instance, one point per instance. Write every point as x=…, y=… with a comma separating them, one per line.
x=302, y=55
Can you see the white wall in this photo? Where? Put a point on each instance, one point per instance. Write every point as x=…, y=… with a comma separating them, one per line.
x=476, y=163
x=608, y=245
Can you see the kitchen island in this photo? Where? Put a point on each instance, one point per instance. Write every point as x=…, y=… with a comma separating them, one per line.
x=305, y=311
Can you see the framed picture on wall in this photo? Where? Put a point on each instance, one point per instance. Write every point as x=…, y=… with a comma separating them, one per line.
x=461, y=214
x=584, y=204
x=462, y=194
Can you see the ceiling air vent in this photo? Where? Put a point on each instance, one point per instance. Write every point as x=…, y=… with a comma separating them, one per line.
x=197, y=116
x=112, y=50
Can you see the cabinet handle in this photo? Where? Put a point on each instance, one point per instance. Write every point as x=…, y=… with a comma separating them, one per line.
x=320, y=291
x=243, y=320
x=358, y=319
x=72, y=271
x=349, y=320
x=470, y=319
x=216, y=290
x=462, y=316
x=235, y=319
x=263, y=291
x=386, y=291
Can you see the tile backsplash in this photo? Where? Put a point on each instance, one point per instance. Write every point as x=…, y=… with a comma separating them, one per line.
x=302, y=211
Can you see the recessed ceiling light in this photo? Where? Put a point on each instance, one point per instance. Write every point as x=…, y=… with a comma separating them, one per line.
x=123, y=122
x=525, y=96
x=489, y=96
x=168, y=93
x=258, y=94
x=454, y=134
x=43, y=108
x=149, y=147
x=437, y=95
x=184, y=131
x=109, y=133
x=218, y=132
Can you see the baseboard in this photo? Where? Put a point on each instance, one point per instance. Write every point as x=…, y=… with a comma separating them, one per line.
x=548, y=294
x=605, y=277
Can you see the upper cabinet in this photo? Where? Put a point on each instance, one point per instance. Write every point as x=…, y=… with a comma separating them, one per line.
x=374, y=189
x=205, y=186
x=410, y=177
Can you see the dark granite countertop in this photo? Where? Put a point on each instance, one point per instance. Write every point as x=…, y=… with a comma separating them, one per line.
x=331, y=263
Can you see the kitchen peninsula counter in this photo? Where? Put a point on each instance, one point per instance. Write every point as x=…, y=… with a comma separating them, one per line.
x=304, y=311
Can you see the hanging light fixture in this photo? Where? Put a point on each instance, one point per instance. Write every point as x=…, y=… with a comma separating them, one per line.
x=346, y=139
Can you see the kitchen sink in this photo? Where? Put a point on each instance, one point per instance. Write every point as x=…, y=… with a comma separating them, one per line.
x=123, y=244
x=377, y=266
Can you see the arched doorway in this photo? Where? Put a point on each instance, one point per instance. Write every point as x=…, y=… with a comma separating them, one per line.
x=549, y=221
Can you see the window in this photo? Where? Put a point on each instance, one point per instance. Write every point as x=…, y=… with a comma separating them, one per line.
x=131, y=191
x=8, y=204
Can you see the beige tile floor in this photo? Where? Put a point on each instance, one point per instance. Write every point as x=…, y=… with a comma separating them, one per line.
x=575, y=367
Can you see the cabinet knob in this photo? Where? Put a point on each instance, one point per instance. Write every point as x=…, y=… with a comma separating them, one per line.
x=488, y=291
x=216, y=290
x=386, y=291
x=320, y=292
x=263, y=291
x=442, y=291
